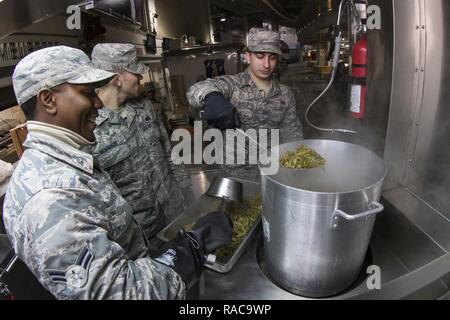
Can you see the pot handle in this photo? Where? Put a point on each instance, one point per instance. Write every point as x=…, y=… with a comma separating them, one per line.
x=374, y=208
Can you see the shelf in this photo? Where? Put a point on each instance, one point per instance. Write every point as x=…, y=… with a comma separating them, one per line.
x=201, y=49
x=9, y=63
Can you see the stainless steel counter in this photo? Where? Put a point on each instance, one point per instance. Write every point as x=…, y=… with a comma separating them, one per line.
x=248, y=279
x=412, y=254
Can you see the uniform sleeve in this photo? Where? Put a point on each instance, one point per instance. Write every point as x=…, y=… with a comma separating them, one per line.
x=71, y=251
x=180, y=173
x=290, y=128
x=197, y=92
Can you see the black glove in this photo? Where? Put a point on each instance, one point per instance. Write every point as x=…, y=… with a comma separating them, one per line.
x=186, y=253
x=220, y=113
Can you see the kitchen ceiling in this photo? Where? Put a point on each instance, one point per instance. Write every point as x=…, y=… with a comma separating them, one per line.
x=283, y=12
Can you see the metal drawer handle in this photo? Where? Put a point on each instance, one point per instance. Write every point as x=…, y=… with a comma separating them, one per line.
x=374, y=208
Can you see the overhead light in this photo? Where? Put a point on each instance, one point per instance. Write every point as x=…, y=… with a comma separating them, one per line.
x=223, y=19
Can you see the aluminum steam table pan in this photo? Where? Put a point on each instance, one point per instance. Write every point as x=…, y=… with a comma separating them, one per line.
x=206, y=204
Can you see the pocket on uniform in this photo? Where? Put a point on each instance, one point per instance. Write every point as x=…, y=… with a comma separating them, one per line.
x=112, y=154
x=131, y=185
x=277, y=112
x=245, y=115
x=149, y=132
x=161, y=185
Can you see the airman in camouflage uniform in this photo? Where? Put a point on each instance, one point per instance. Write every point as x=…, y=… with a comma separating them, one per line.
x=65, y=218
x=134, y=148
x=272, y=107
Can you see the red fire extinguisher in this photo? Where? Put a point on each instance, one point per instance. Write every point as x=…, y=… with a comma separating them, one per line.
x=359, y=74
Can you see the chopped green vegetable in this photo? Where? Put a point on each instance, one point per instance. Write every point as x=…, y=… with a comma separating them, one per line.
x=302, y=158
x=243, y=215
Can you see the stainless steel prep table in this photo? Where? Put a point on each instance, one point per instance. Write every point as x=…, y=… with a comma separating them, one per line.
x=414, y=262
x=248, y=281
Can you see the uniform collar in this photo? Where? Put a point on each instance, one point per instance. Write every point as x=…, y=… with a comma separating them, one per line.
x=246, y=80
x=60, y=150
x=60, y=133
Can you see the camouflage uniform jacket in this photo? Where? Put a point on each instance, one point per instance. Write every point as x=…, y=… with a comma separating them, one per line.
x=257, y=110
x=134, y=148
x=69, y=224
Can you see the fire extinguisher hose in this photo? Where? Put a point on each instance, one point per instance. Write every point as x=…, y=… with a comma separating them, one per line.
x=335, y=63
x=333, y=74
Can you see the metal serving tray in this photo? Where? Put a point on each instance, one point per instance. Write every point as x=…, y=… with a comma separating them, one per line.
x=204, y=205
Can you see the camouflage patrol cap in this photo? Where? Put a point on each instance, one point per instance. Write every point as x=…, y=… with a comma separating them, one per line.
x=263, y=40
x=117, y=56
x=49, y=67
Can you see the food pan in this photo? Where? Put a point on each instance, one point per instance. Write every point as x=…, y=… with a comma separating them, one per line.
x=205, y=204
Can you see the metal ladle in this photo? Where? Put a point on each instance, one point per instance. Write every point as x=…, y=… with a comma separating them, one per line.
x=226, y=189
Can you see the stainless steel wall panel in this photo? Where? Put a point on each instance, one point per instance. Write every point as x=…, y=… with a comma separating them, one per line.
x=428, y=174
x=417, y=149
x=405, y=79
